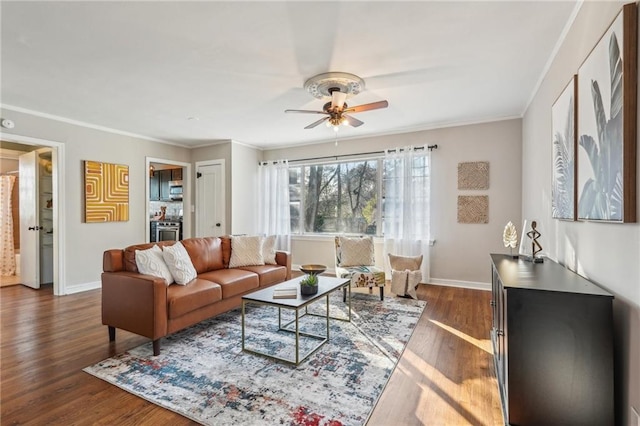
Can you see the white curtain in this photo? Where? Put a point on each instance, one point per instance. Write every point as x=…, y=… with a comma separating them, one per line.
x=7, y=253
x=273, y=202
x=406, y=205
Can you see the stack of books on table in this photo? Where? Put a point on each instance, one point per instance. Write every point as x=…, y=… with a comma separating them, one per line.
x=285, y=293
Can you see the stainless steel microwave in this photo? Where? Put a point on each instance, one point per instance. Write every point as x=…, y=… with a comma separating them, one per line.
x=175, y=190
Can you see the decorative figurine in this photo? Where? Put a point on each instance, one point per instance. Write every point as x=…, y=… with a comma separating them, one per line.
x=510, y=238
x=535, y=245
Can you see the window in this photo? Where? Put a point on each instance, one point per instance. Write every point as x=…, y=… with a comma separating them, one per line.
x=335, y=197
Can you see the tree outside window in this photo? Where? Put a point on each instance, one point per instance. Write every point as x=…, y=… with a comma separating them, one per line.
x=335, y=198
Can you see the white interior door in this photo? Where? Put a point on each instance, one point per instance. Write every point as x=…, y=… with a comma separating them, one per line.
x=210, y=201
x=29, y=220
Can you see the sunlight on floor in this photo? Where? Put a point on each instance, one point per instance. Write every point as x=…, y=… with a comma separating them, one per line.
x=484, y=344
x=434, y=384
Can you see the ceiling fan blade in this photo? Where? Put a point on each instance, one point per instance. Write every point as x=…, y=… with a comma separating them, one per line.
x=353, y=122
x=368, y=107
x=306, y=111
x=337, y=99
x=315, y=123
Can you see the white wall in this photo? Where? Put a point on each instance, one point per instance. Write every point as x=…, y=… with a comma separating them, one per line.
x=607, y=254
x=85, y=242
x=460, y=255
x=244, y=184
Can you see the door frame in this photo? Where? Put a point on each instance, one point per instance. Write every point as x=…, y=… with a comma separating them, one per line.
x=187, y=207
x=221, y=163
x=58, y=184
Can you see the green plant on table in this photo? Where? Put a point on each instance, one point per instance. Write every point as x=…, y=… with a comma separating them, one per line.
x=310, y=280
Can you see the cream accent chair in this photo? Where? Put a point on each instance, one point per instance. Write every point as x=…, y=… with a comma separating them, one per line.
x=405, y=274
x=355, y=259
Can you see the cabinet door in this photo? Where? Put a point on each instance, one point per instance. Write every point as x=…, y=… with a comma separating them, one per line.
x=176, y=174
x=165, y=177
x=154, y=186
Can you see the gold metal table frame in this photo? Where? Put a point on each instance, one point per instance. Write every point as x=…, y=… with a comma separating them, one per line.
x=326, y=286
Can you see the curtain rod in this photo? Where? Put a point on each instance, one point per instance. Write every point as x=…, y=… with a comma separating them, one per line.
x=429, y=147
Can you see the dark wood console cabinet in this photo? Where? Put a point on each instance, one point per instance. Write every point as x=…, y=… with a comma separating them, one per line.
x=552, y=337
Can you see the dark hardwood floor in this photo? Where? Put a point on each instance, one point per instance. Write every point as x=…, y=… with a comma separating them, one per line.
x=445, y=376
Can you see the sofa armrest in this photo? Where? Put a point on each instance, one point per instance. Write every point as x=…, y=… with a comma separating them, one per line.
x=135, y=302
x=283, y=258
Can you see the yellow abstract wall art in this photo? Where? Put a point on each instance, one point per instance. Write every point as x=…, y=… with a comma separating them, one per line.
x=106, y=188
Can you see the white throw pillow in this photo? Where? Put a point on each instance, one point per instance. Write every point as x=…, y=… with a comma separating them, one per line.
x=269, y=250
x=151, y=262
x=179, y=263
x=356, y=251
x=246, y=251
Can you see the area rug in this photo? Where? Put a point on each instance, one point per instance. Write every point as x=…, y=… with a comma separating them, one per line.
x=203, y=374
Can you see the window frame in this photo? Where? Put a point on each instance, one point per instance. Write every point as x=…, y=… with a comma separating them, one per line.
x=302, y=165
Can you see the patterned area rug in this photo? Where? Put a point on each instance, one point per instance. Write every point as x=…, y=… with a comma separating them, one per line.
x=203, y=374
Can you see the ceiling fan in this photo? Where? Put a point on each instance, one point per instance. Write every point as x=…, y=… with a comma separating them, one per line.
x=338, y=86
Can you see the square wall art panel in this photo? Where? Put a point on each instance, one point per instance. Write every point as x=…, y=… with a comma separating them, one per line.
x=473, y=209
x=106, y=189
x=473, y=175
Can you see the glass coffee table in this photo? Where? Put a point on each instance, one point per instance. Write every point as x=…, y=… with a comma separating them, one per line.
x=300, y=304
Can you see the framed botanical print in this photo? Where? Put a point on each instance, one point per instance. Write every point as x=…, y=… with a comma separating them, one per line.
x=564, y=129
x=606, y=153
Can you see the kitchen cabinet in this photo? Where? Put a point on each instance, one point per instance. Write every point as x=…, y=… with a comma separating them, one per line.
x=176, y=174
x=159, y=185
x=165, y=177
x=154, y=187
x=552, y=335
x=153, y=225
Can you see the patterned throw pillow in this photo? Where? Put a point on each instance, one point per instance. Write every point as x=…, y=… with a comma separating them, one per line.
x=404, y=263
x=269, y=250
x=357, y=251
x=246, y=251
x=179, y=263
x=151, y=262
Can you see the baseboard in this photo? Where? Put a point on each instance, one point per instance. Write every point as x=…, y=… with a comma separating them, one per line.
x=464, y=284
x=79, y=288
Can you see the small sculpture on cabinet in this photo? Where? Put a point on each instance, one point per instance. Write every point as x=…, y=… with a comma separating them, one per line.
x=535, y=245
x=510, y=238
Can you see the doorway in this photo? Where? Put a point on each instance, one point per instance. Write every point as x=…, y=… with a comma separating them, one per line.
x=168, y=196
x=210, y=199
x=49, y=219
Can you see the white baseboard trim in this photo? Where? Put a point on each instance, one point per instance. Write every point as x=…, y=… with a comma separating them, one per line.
x=79, y=288
x=464, y=284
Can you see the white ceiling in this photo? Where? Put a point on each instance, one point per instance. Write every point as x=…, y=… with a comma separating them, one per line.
x=146, y=68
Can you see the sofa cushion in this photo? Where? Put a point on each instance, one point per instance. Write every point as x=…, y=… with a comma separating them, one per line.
x=130, y=254
x=179, y=263
x=151, y=262
x=182, y=299
x=269, y=250
x=245, y=251
x=268, y=274
x=226, y=250
x=205, y=253
x=355, y=251
x=232, y=281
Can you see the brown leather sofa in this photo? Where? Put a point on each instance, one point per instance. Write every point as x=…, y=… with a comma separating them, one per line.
x=145, y=305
